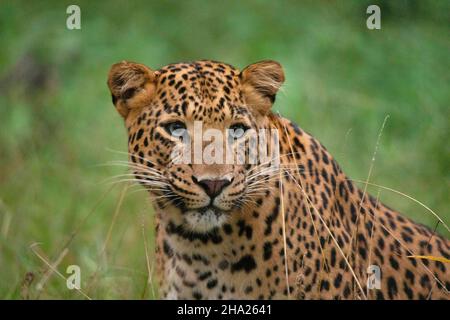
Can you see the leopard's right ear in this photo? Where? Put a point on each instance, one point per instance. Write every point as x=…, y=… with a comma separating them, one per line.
x=132, y=86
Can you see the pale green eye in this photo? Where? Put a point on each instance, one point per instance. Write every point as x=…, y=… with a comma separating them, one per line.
x=237, y=130
x=176, y=128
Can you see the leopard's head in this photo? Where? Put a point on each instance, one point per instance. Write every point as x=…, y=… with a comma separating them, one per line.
x=182, y=167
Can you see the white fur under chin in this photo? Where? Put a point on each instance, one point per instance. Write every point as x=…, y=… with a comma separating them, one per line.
x=204, y=222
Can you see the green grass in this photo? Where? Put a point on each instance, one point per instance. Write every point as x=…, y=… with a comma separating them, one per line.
x=58, y=123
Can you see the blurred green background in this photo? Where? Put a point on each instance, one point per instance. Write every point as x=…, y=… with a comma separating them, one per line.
x=58, y=126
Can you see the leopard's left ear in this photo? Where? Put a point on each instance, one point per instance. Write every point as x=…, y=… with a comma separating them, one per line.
x=260, y=84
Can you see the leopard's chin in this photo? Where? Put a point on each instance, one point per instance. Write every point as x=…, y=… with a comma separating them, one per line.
x=205, y=219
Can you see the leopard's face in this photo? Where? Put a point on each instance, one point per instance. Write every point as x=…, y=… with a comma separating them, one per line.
x=189, y=131
x=190, y=101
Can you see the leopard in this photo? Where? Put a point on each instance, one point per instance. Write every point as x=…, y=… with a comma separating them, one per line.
x=296, y=229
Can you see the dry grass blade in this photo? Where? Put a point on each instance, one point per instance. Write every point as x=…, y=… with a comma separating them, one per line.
x=411, y=254
x=371, y=241
x=286, y=269
x=441, y=259
x=113, y=222
x=332, y=237
x=102, y=255
x=7, y=218
x=53, y=268
x=296, y=167
x=407, y=196
x=77, y=229
x=48, y=273
x=63, y=250
x=149, y=265
x=369, y=174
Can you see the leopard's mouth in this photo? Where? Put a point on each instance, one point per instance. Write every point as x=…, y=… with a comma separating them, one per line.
x=205, y=219
x=212, y=209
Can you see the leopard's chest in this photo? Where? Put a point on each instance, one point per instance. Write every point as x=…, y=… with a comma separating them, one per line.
x=214, y=272
x=202, y=278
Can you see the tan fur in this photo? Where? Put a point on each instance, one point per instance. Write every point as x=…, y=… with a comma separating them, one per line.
x=306, y=231
x=260, y=81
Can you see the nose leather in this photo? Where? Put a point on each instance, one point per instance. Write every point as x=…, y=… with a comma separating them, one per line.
x=212, y=187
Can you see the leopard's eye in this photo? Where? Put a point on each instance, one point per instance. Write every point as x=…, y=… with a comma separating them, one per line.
x=237, y=130
x=175, y=128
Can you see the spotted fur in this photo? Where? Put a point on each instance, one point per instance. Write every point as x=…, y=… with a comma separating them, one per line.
x=332, y=230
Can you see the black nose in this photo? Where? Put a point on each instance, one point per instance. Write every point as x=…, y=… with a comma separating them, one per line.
x=212, y=187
